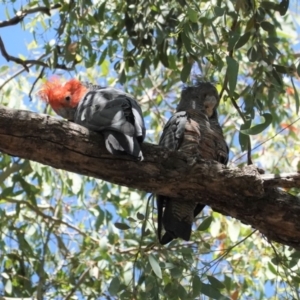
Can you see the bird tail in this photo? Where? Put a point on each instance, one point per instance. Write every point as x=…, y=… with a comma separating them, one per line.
x=175, y=218
x=118, y=143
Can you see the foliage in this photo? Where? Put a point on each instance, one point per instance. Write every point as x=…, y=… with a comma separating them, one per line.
x=64, y=236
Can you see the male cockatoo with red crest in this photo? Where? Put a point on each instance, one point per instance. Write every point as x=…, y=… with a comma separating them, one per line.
x=110, y=111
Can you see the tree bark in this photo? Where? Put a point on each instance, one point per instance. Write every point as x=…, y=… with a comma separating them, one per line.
x=241, y=193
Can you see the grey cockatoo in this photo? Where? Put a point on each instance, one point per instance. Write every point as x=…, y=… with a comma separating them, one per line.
x=108, y=110
x=194, y=129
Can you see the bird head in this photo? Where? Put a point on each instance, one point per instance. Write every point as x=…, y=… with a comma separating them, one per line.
x=203, y=96
x=63, y=97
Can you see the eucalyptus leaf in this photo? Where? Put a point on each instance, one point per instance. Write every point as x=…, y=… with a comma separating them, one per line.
x=260, y=127
x=155, y=266
x=232, y=74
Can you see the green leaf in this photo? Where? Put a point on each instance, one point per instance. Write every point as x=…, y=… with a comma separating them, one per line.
x=140, y=216
x=232, y=73
x=105, y=68
x=155, y=266
x=100, y=218
x=218, y=11
x=185, y=72
x=192, y=14
x=252, y=54
x=102, y=57
x=176, y=272
x=269, y=5
x=260, y=127
x=296, y=96
x=187, y=42
x=210, y=291
x=292, y=263
x=122, y=77
x=205, y=224
x=244, y=141
x=7, y=192
x=121, y=226
x=277, y=77
x=234, y=229
x=196, y=286
x=298, y=69
x=114, y=286
x=8, y=287
x=295, y=254
x=101, y=12
x=267, y=26
x=296, y=280
x=283, y=7
x=272, y=268
x=242, y=40
x=4, y=68
x=181, y=292
x=215, y=282
x=280, y=69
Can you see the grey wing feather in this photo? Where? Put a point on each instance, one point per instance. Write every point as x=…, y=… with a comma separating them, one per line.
x=138, y=122
x=118, y=143
x=117, y=113
x=173, y=132
x=171, y=138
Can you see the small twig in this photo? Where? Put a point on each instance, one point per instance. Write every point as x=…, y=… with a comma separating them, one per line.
x=80, y=280
x=53, y=219
x=15, y=167
x=20, y=15
x=224, y=88
x=35, y=82
x=10, y=298
x=269, y=139
x=12, y=77
x=226, y=252
x=41, y=270
x=18, y=73
x=249, y=160
x=19, y=61
x=140, y=244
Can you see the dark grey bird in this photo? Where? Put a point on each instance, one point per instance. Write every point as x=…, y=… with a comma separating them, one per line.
x=195, y=130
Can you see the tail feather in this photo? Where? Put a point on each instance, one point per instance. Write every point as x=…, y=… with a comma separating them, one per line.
x=118, y=143
x=178, y=218
x=175, y=218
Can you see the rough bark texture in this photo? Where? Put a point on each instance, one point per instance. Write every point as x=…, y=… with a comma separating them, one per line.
x=240, y=193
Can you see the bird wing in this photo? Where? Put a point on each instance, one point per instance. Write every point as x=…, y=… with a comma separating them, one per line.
x=171, y=138
x=173, y=132
x=109, y=108
x=117, y=115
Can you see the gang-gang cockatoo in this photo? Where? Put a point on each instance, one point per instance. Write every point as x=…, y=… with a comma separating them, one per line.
x=114, y=113
x=194, y=129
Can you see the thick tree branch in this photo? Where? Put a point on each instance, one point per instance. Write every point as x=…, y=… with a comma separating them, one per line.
x=240, y=193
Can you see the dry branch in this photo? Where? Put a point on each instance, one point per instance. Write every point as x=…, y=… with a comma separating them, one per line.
x=240, y=193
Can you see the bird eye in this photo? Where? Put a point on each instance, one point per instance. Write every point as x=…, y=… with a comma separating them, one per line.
x=68, y=98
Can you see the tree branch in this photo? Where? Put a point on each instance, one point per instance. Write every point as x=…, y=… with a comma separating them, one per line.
x=19, y=61
x=241, y=193
x=20, y=15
